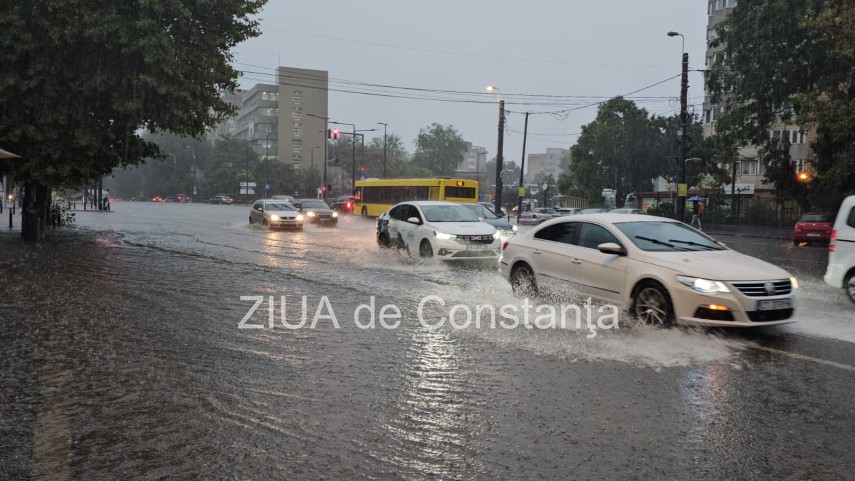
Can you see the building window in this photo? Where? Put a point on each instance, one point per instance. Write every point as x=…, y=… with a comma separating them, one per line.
x=707, y=116
x=297, y=97
x=297, y=132
x=749, y=167
x=297, y=147
x=297, y=116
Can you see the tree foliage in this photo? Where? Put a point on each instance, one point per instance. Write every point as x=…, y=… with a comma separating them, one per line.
x=440, y=149
x=791, y=61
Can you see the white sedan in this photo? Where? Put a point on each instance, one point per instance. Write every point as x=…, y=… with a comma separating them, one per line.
x=444, y=230
x=661, y=270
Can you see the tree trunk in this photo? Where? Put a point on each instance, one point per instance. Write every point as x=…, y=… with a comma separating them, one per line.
x=34, y=213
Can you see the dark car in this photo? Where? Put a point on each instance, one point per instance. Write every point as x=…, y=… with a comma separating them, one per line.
x=221, y=199
x=813, y=227
x=486, y=214
x=317, y=212
x=344, y=204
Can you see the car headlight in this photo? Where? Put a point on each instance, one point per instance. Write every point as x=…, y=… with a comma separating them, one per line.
x=794, y=282
x=299, y=217
x=514, y=228
x=497, y=236
x=335, y=214
x=703, y=285
x=311, y=214
x=444, y=236
x=274, y=217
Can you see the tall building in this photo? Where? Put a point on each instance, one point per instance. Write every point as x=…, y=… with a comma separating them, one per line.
x=275, y=117
x=539, y=166
x=750, y=171
x=474, y=162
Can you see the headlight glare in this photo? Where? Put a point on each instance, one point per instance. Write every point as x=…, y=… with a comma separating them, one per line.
x=795, y=282
x=444, y=236
x=299, y=217
x=274, y=217
x=335, y=214
x=311, y=214
x=703, y=285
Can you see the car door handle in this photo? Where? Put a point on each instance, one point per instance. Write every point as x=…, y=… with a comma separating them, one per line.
x=536, y=252
x=575, y=261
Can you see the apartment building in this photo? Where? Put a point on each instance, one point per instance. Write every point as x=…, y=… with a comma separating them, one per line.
x=539, y=166
x=474, y=163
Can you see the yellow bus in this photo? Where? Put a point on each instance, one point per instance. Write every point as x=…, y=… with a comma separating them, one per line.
x=372, y=197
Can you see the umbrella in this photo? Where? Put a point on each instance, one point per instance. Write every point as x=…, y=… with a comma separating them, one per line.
x=6, y=155
x=696, y=199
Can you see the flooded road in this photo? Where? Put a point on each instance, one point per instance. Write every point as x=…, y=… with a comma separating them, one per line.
x=122, y=357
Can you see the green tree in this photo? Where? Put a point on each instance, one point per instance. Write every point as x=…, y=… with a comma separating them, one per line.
x=790, y=61
x=621, y=149
x=439, y=148
x=80, y=80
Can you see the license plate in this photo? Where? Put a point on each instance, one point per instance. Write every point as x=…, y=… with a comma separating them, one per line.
x=773, y=305
x=812, y=234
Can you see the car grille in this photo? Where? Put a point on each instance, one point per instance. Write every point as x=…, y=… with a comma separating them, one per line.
x=324, y=217
x=773, y=315
x=759, y=288
x=475, y=239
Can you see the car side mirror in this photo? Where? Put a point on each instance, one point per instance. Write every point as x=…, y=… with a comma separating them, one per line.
x=611, y=248
x=481, y=219
x=414, y=220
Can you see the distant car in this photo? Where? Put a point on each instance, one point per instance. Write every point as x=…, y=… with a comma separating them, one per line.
x=443, y=230
x=289, y=198
x=157, y=198
x=813, y=227
x=171, y=199
x=505, y=228
x=660, y=270
x=562, y=211
x=538, y=215
x=493, y=208
x=317, y=212
x=275, y=214
x=221, y=199
x=627, y=211
x=841, y=250
x=594, y=211
x=344, y=204
x=183, y=198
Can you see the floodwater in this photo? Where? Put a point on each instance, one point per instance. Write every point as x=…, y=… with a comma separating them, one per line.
x=122, y=357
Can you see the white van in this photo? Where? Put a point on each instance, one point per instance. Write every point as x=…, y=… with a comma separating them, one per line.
x=841, y=255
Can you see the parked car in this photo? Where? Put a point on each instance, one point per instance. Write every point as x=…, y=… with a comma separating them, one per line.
x=485, y=214
x=627, y=211
x=841, y=250
x=171, y=198
x=661, y=270
x=157, y=198
x=562, y=211
x=813, y=227
x=594, y=211
x=538, y=215
x=183, y=198
x=447, y=231
x=344, y=204
x=317, y=212
x=275, y=214
x=221, y=199
x=288, y=198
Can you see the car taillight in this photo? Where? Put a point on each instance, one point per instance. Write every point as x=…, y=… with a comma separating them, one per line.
x=831, y=244
x=349, y=205
x=504, y=246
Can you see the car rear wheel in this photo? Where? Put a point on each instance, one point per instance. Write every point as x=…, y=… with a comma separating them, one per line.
x=383, y=241
x=652, y=305
x=523, y=282
x=849, y=284
x=425, y=249
x=250, y=220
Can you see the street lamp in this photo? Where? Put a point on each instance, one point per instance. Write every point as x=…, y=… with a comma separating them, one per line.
x=682, y=189
x=193, y=151
x=384, y=147
x=362, y=138
x=326, y=142
x=266, y=160
x=498, y=206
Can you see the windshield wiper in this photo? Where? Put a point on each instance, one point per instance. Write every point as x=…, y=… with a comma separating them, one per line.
x=659, y=242
x=695, y=244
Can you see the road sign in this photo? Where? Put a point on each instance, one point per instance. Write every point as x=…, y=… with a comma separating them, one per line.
x=267, y=186
x=362, y=176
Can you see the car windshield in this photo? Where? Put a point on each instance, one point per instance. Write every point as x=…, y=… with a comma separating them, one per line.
x=448, y=213
x=278, y=206
x=315, y=204
x=815, y=218
x=481, y=211
x=667, y=237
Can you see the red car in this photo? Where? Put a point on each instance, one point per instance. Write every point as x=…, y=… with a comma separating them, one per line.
x=813, y=227
x=183, y=198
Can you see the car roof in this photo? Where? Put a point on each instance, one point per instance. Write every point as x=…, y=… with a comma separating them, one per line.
x=429, y=202
x=609, y=218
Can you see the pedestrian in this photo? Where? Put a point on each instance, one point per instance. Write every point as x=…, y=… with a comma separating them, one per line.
x=106, y=200
x=697, y=213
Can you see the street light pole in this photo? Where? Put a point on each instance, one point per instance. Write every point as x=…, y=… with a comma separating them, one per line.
x=312, y=178
x=682, y=188
x=266, y=160
x=384, y=147
x=193, y=151
x=326, y=142
x=499, y=187
x=521, y=188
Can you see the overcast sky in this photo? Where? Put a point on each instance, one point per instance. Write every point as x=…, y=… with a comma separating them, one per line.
x=577, y=52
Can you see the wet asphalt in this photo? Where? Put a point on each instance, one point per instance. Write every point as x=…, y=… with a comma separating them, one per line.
x=122, y=357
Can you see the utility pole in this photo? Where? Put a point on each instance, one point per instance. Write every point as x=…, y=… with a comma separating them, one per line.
x=683, y=189
x=384, y=147
x=499, y=187
x=522, y=170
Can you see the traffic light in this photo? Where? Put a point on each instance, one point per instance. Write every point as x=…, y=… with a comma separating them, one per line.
x=335, y=134
x=329, y=133
x=329, y=187
x=323, y=188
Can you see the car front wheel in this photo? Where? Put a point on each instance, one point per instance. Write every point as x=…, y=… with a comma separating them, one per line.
x=652, y=305
x=425, y=249
x=849, y=284
x=522, y=281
